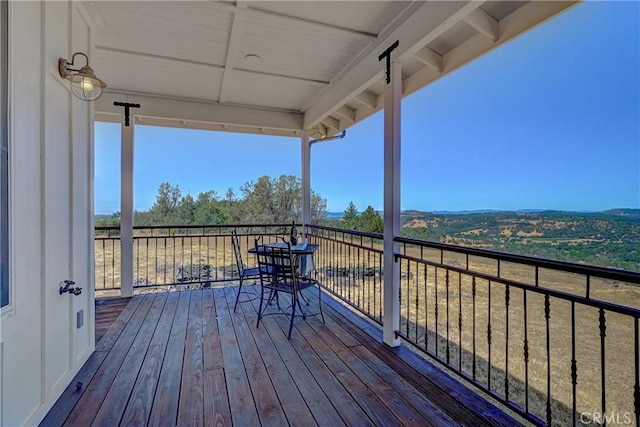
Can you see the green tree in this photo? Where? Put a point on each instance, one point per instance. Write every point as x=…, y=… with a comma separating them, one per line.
x=184, y=212
x=318, y=208
x=350, y=217
x=275, y=201
x=167, y=201
x=208, y=210
x=370, y=221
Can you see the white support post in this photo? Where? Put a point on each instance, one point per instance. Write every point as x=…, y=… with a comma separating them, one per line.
x=126, y=210
x=392, y=98
x=305, y=171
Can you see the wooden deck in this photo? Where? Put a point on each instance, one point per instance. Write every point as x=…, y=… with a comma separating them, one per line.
x=185, y=358
x=107, y=311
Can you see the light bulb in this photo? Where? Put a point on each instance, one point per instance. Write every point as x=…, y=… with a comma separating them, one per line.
x=86, y=84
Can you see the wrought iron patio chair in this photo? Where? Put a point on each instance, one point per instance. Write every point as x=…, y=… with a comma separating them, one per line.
x=279, y=274
x=243, y=272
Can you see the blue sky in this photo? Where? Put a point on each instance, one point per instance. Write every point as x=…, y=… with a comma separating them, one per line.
x=550, y=120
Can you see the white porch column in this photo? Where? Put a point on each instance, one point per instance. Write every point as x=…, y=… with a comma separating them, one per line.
x=392, y=98
x=126, y=209
x=305, y=171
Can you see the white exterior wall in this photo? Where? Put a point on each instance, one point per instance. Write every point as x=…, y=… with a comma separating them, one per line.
x=50, y=213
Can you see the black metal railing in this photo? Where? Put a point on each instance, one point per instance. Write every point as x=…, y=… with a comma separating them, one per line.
x=556, y=342
x=349, y=265
x=178, y=256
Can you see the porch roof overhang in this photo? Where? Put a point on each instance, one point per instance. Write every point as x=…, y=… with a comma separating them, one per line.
x=278, y=67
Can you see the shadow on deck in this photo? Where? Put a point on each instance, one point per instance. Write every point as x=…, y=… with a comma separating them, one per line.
x=184, y=358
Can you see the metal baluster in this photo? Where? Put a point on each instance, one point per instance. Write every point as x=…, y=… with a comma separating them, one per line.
x=436, y=308
x=636, y=393
x=104, y=263
x=379, y=294
x=506, y=347
x=574, y=363
x=224, y=252
x=489, y=335
x=137, y=259
x=460, y=321
x=526, y=354
x=603, y=328
x=426, y=307
x=369, y=282
x=417, y=302
x=200, y=254
x=182, y=254
x=146, y=270
x=361, y=287
x=349, y=272
x=155, y=274
x=447, y=299
x=340, y=282
x=214, y=264
x=164, y=280
x=174, y=240
x=547, y=315
x=473, y=295
x=406, y=281
x=191, y=276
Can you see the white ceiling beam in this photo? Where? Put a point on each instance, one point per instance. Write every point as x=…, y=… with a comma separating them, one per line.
x=331, y=123
x=513, y=25
x=430, y=58
x=154, y=56
x=484, y=23
x=194, y=111
x=390, y=28
x=233, y=47
x=428, y=22
x=367, y=99
x=346, y=113
x=280, y=19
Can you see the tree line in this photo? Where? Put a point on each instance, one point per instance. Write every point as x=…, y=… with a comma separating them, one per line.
x=264, y=201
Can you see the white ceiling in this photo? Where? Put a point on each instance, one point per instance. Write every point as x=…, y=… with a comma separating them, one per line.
x=186, y=62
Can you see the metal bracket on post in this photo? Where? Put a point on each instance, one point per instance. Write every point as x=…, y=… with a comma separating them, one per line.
x=387, y=54
x=126, y=106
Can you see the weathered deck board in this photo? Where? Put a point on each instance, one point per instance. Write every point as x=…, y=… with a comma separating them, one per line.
x=141, y=400
x=268, y=363
x=310, y=390
x=165, y=403
x=115, y=401
x=108, y=311
x=191, y=404
x=187, y=359
x=243, y=409
x=216, y=400
x=97, y=389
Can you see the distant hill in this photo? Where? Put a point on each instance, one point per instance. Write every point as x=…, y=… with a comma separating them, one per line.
x=334, y=215
x=609, y=239
x=480, y=211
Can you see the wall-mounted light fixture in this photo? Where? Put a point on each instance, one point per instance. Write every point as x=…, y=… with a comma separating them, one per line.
x=84, y=83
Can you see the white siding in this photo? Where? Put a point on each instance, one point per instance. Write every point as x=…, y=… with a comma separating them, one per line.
x=50, y=149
